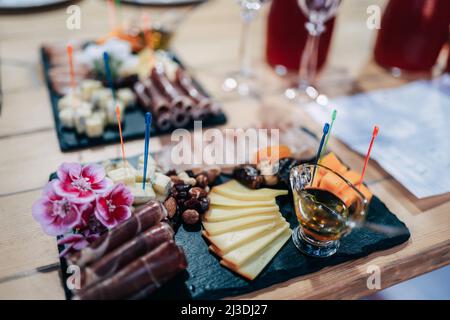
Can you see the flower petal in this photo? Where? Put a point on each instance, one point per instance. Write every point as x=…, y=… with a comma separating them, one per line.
x=101, y=209
x=71, y=238
x=102, y=186
x=42, y=211
x=122, y=213
x=49, y=191
x=121, y=195
x=93, y=172
x=55, y=229
x=67, y=170
x=65, y=188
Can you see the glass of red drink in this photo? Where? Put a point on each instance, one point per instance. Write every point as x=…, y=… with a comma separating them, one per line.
x=412, y=35
x=318, y=13
x=287, y=36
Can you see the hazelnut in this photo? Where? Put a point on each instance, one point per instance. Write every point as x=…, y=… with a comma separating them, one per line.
x=190, y=216
x=197, y=193
x=202, y=180
x=171, y=206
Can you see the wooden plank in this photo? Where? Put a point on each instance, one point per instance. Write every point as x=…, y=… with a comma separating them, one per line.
x=23, y=244
x=42, y=286
x=25, y=113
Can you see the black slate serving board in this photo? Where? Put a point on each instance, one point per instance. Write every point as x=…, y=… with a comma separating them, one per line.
x=205, y=278
x=133, y=123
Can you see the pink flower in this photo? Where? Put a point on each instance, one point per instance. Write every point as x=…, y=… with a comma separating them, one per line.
x=81, y=184
x=114, y=206
x=76, y=241
x=56, y=214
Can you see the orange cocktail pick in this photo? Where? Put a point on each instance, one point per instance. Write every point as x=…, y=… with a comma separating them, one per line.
x=73, y=81
x=374, y=135
x=121, y=137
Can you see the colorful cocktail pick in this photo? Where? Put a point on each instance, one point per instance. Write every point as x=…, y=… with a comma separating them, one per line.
x=333, y=117
x=111, y=5
x=326, y=128
x=366, y=160
x=148, y=122
x=108, y=73
x=121, y=137
x=73, y=81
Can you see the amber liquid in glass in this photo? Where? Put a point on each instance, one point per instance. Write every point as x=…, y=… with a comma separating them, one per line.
x=160, y=39
x=321, y=214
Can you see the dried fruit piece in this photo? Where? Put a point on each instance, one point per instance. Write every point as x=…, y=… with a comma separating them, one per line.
x=248, y=176
x=202, y=180
x=197, y=193
x=171, y=206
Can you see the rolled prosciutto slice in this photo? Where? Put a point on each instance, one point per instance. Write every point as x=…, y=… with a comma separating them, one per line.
x=126, y=253
x=177, y=98
x=149, y=271
x=146, y=216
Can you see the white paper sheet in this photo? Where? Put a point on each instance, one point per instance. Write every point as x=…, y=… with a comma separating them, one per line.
x=414, y=140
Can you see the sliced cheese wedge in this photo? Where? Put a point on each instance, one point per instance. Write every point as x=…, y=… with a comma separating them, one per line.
x=219, y=200
x=254, y=266
x=215, y=228
x=233, y=189
x=228, y=241
x=216, y=213
x=241, y=255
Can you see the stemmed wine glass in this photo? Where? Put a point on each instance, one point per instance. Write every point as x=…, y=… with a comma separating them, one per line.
x=243, y=81
x=318, y=13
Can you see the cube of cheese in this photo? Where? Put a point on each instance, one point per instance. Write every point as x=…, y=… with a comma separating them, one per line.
x=87, y=87
x=140, y=195
x=111, y=115
x=82, y=113
x=162, y=183
x=126, y=96
x=94, y=126
x=125, y=175
x=71, y=100
x=151, y=171
x=67, y=117
x=150, y=161
x=100, y=97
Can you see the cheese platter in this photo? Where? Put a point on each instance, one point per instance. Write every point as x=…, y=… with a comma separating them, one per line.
x=213, y=248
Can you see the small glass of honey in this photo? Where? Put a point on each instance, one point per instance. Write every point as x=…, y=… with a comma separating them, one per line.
x=327, y=206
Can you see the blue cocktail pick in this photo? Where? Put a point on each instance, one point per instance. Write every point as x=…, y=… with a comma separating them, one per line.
x=148, y=123
x=108, y=73
x=326, y=128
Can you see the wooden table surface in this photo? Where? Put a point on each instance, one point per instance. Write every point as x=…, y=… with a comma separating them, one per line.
x=207, y=41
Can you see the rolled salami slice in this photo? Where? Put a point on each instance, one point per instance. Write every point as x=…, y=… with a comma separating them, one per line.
x=146, y=216
x=151, y=269
x=142, y=96
x=196, y=113
x=177, y=98
x=160, y=104
x=126, y=253
x=185, y=82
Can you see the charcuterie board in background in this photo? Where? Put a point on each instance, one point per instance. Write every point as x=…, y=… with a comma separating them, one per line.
x=132, y=122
